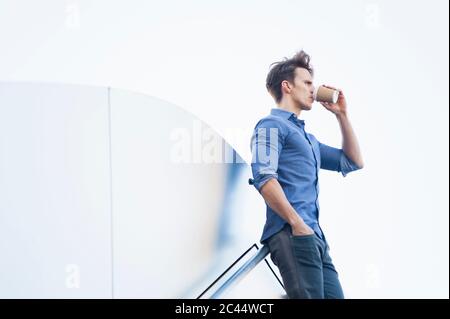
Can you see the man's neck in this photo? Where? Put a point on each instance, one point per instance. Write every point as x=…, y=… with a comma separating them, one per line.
x=290, y=107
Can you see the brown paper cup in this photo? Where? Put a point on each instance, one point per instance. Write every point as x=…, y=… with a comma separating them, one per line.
x=323, y=94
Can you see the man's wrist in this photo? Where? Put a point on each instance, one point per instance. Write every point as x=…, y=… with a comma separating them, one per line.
x=298, y=222
x=341, y=116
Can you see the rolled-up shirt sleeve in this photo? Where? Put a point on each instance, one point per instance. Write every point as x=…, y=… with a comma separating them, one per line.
x=334, y=159
x=266, y=145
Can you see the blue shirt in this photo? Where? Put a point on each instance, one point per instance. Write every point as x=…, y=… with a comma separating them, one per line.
x=282, y=149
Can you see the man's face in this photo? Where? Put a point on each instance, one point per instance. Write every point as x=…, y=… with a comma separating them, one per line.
x=302, y=90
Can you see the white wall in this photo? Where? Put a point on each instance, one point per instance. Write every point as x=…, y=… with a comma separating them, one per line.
x=94, y=203
x=55, y=202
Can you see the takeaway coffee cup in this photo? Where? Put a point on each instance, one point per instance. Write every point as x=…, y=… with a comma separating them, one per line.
x=324, y=94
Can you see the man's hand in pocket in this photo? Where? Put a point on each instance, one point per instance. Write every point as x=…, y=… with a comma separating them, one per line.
x=301, y=229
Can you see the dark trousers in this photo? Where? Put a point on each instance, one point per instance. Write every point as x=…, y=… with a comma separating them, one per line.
x=305, y=265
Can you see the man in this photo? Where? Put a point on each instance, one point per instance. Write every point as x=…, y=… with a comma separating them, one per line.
x=285, y=165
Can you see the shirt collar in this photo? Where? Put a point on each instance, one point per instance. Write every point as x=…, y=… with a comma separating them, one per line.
x=286, y=115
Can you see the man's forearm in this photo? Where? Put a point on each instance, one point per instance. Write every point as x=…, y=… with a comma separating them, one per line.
x=274, y=196
x=350, y=144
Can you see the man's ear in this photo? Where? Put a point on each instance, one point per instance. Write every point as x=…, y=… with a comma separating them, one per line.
x=286, y=86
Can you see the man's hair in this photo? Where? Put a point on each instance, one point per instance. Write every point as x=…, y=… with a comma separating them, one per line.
x=285, y=70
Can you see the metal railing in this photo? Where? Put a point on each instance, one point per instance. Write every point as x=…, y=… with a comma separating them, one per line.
x=241, y=272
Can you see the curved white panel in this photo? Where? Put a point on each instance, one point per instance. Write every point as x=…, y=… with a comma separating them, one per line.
x=111, y=194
